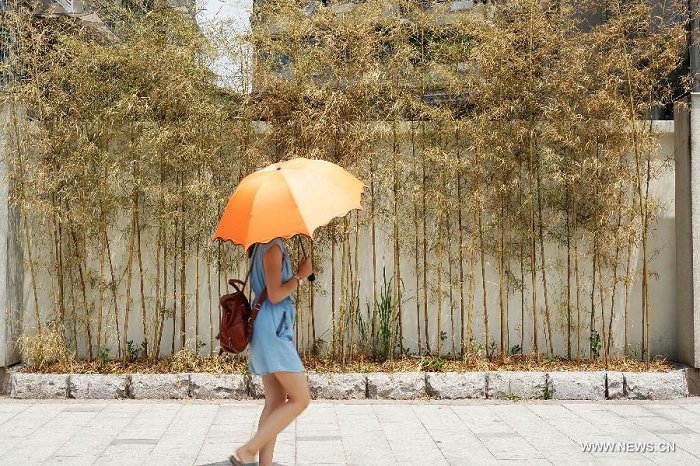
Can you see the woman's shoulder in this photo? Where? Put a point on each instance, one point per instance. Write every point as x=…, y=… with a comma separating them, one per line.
x=278, y=241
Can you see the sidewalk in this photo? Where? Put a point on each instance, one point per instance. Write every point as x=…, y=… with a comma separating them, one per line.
x=365, y=432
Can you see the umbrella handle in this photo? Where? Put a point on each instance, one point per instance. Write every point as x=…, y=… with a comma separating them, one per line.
x=312, y=277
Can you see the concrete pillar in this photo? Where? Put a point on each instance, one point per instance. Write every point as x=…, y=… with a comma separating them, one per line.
x=687, y=157
x=11, y=269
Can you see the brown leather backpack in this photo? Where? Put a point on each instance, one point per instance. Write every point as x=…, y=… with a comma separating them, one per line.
x=237, y=317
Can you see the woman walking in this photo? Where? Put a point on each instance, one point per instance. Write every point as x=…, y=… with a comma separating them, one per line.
x=272, y=352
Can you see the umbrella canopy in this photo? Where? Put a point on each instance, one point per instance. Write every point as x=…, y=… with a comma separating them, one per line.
x=286, y=199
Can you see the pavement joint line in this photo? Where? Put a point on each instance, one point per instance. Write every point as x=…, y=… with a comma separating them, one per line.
x=99, y=455
x=83, y=409
x=381, y=428
x=37, y=428
x=576, y=415
x=29, y=405
x=516, y=435
x=134, y=441
x=199, y=451
x=413, y=408
x=466, y=426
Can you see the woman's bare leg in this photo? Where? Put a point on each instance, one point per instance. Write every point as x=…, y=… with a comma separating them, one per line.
x=297, y=388
x=275, y=396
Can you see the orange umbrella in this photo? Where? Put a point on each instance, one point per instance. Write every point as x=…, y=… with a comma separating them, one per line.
x=288, y=198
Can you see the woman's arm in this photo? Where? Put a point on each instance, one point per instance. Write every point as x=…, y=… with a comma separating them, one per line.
x=272, y=263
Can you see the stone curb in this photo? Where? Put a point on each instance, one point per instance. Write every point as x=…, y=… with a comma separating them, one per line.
x=396, y=385
x=204, y=386
x=98, y=386
x=338, y=386
x=509, y=385
x=160, y=386
x=516, y=385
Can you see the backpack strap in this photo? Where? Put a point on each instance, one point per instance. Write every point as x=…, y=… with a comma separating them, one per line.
x=258, y=304
x=263, y=296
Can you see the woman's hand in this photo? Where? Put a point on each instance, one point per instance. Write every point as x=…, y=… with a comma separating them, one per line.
x=304, y=270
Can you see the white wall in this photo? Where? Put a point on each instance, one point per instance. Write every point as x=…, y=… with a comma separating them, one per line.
x=662, y=289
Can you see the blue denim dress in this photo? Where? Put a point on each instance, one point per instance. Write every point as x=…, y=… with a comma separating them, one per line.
x=271, y=347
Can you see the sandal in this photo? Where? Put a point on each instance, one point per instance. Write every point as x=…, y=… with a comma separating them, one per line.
x=236, y=462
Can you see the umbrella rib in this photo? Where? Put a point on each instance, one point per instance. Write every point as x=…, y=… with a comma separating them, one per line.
x=296, y=205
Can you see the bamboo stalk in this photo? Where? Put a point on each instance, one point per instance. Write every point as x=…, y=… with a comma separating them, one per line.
x=164, y=298
x=533, y=267
x=311, y=301
x=211, y=310
x=501, y=261
x=176, y=251
x=74, y=309
x=568, y=277
x=460, y=229
x=522, y=294
x=144, y=318
x=343, y=292
x=601, y=293
x=425, y=244
x=578, y=283
x=441, y=214
x=614, y=267
x=522, y=269
x=417, y=272
x=470, y=303
x=628, y=279
x=638, y=178
x=100, y=305
x=158, y=317
x=645, y=268
x=543, y=260
x=374, y=251
x=129, y=263
x=56, y=293
x=416, y=225
x=397, y=251
x=60, y=273
x=449, y=281
x=82, y=266
x=593, y=282
x=196, y=297
x=183, y=276
x=32, y=273
x=356, y=280
x=480, y=229
x=334, y=348
x=113, y=288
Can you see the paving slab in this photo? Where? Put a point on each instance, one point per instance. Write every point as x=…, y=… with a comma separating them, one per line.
x=354, y=432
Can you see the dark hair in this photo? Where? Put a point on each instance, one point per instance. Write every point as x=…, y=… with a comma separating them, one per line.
x=250, y=250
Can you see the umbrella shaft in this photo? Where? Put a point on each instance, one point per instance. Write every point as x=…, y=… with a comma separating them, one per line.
x=312, y=277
